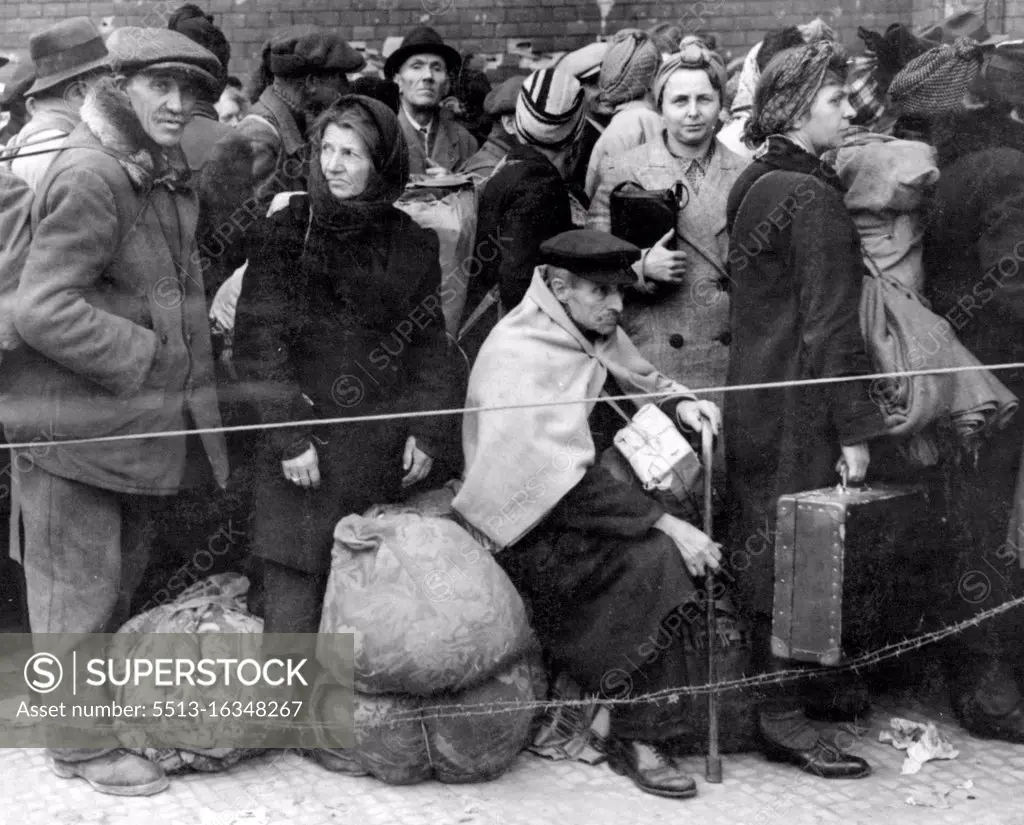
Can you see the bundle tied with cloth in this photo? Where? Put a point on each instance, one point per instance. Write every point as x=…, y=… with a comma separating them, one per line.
x=885, y=180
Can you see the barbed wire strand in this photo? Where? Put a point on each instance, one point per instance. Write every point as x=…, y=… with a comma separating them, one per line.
x=363, y=419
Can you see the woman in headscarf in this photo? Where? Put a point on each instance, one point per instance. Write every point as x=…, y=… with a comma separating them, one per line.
x=339, y=315
x=796, y=271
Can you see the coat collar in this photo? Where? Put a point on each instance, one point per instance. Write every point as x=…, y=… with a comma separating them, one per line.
x=287, y=125
x=109, y=117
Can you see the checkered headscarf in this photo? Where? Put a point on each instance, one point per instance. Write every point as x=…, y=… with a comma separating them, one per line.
x=865, y=96
x=788, y=87
x=628, y=68
x=934, y=83
x=549, y=111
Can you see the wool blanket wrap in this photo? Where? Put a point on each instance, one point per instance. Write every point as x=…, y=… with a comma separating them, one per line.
x=521, y=462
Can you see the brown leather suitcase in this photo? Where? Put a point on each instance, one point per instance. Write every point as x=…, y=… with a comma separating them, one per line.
x=846, y=569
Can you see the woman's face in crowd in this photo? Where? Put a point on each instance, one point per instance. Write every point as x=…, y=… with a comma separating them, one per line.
x=163, y=102
x=421, y=80
x=690, y=106
x=345, y=162
x=595, y=307
x=827, y=119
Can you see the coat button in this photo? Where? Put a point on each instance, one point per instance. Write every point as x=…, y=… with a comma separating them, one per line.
x=676, y=341
x=725, y=339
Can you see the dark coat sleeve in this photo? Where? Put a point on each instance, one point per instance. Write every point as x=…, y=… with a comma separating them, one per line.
x=432, y=378
x=267, y=321
x=1001, y=210
x=826, y=255
x=536, y=207
x=602, y=504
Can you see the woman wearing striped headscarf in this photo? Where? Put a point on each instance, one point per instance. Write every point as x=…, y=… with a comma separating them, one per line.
x=796, y=271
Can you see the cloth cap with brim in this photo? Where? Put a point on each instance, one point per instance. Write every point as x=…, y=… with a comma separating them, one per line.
x=64, y=51
x=304, y=50
x=422, y=40
x=134, y=50
x=593, y=255
x=1003, y=71
x=501, y=100
x=549, y=111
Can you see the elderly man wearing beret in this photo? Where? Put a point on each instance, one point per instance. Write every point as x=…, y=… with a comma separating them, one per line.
x=111, y=309
x=603, y=565
x=423, y=67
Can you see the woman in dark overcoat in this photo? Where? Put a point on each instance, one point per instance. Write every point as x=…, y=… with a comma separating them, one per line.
x=339, y=315
x=796, y=267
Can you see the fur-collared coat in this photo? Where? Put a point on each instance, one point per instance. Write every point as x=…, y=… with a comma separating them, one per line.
x=111, y=307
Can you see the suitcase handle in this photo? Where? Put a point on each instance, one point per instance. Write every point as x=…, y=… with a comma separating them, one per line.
x=844, y=479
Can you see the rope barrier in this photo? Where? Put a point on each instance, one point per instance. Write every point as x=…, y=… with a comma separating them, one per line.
x=364, y=419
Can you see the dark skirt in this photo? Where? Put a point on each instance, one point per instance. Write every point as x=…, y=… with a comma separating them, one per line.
x=360, y=465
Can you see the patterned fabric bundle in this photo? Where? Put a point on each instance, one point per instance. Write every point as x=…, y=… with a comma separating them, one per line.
x=693, y=54
x=549, y=112
x=783, y=96
x=628, y=68
x=934, y=83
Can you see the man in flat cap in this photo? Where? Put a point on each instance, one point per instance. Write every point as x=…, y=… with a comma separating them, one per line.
x=603, y=565
x=68, y=58
x=110, y=305
x=499, y=104
x=423, y=67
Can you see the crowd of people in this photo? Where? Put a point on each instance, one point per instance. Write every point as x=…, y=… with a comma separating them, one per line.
x=143, y=192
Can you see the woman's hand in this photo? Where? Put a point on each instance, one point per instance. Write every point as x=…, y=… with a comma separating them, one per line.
x=663, y=264
x=856, y=458
x=303, y=470
x=693, y=414
x=699, y=552
x=416, y=462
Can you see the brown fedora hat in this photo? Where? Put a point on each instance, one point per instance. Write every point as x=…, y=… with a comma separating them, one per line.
x=64, y=51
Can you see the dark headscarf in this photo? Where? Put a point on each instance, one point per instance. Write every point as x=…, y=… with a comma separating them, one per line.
x=390, y=156
x=788, y=87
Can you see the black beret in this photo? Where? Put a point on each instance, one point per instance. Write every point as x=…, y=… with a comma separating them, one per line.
x=593, y=255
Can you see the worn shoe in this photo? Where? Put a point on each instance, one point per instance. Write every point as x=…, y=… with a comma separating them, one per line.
x=335, y=761
x=118, y=773
x=650, y=770
x=789, y=737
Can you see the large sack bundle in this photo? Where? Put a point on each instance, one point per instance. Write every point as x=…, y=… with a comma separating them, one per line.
x=216, y=605
x=403, y=739
x=430, y=609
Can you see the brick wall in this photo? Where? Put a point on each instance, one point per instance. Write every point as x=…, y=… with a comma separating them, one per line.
x=483, y=26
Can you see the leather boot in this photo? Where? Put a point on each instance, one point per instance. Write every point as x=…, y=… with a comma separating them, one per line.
x=789, y=737
x=118, y=773
x=649, y=768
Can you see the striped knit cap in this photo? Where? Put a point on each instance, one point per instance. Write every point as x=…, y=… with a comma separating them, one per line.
x=934, y=83
x=549, y=112
x=628, y=68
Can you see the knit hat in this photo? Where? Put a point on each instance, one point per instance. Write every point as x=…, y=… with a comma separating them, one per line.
x=1003, y=72
x=549, y=111
x=134, y=49
x=692, y=54
x=303, y=50
x=934, y=83
x=628, y=68
x=198, y=26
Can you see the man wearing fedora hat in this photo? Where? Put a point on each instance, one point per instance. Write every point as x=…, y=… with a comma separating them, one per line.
x=111, y=308
x=422, y=68
x=68, y=58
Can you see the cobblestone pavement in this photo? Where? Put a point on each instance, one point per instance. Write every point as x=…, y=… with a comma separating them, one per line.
x=287, y=789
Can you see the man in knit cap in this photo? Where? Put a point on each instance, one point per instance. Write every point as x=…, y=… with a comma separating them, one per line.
x=972, y=257
x=69, y=57
x=627, y=72
x=424, y=67
x=500, y=104
x=110, y=305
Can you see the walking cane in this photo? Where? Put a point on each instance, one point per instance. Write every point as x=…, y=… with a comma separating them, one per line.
x=713, y=765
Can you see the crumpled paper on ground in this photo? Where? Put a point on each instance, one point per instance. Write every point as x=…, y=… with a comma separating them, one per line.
x=921, y=740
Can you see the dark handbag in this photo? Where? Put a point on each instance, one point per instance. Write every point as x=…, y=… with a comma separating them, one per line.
x=643, y=216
